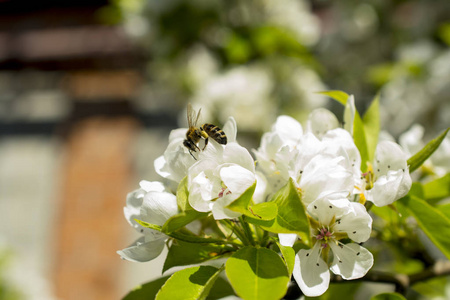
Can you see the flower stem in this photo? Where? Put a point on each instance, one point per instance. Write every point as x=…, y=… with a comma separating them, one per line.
x=187, y=237
x=237, y=231
x=247, y=231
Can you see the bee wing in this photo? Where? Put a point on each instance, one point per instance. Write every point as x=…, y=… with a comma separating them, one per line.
x=198, y=116
x=191, y=116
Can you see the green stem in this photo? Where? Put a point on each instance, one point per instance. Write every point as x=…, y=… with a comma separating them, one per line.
x=185, y=237
x=247, y=230
x=237, y=231
x=265, y=238
x=368, y=205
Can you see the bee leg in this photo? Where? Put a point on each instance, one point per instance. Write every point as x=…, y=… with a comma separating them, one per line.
x=192, y=154
x=206, y=143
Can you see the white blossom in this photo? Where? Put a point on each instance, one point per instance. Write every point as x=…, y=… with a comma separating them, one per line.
x=320, y=121
x=322, y=175
x=176, y=160
x=389, y=179
x=277, y=149
x=222, y=174
x=151, y=204
x=317, y=167
x=333, y=218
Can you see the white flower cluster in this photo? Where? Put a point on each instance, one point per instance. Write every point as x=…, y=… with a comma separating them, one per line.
x=325, y=166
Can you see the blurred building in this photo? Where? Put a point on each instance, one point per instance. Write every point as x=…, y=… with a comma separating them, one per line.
x=68, y=138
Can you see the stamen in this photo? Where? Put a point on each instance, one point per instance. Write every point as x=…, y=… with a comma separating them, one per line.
x=352, y=250
x=318, y=256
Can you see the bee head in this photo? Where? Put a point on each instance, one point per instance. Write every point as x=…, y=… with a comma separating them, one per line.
x=190, y=145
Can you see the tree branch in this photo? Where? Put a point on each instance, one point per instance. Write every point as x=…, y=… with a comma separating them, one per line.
x=401, y=281
x=440, y=268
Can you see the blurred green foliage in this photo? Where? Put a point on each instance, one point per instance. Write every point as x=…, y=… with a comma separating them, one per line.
x=7, y=290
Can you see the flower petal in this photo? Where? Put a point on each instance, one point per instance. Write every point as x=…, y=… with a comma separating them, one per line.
x=133, y=209
x=230, y=129
x=175, y=162
x=287, y=239
x=142, y=251
x=220, y=211
x=330, y=207
x=151, y=186
x=201, y=192
x=261, y=188
x=390, y=187
x=308, y=147
x=357, y=223
x=389, y=156
x=349, y=114
x=339, y=141
x=270, y=144
x=236, y=154
x=288, y=129
x=161, y=167
x=213, y=151
x=324, y=175
x=177, y=134
x=237, y=179
x=311, y=272
x=320, y=121
x=351, y=261
x=158, y=207
x=411, y=140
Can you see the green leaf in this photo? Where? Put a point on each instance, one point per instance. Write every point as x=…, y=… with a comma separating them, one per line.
x=183, y=195
x=263, y=211
x=237, y=49
x=149, y=225
x=437, y=189
x=182, y=219
x=388, y=296
x=359, y=134
x=445, y=209
x=220, y=289
x=288, y=256
x=339, y=96
x=243, y=205
x=355, y=125
x=432, y=221
x=416, y=190
x=257, y=273
x=187, y=214
x=434, y=288
x=183, y=254
x=371, y=122
x=146, y=291
x=192, y=283
x=291, y=215
x=420, y=157
x=359, y=137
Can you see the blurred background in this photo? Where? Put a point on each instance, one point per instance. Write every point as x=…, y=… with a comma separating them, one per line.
x=90, y=89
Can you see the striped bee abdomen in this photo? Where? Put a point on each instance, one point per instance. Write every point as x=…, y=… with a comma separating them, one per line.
x=215, y=133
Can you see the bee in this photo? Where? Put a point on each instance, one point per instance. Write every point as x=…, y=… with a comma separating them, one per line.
x=194, y=133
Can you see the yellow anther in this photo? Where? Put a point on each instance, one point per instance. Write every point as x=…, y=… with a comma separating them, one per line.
x=362, y=199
